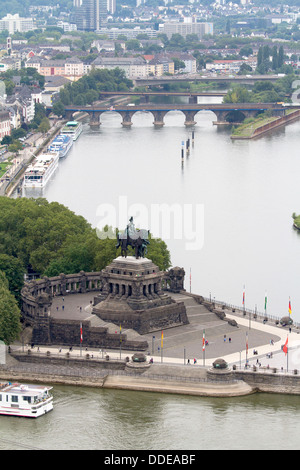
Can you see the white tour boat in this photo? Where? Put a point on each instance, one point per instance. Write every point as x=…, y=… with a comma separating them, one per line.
x=62, y=144
x=40, y=171
x=72, y=129
x=25, y=400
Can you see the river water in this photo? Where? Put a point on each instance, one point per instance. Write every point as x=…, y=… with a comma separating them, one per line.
x=87, y=418
x=240, y=197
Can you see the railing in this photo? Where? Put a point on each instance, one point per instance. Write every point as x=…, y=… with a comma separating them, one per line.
x=238, y=310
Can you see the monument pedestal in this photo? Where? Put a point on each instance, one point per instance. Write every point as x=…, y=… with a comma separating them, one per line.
x=132, y=296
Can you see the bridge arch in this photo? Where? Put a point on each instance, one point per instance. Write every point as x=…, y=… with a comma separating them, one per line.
x=111, y=118
x=235, y=116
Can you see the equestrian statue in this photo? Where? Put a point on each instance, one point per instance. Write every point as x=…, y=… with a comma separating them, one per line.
x=136, y=238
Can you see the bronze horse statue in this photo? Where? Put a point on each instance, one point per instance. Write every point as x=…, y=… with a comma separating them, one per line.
x=137, y=239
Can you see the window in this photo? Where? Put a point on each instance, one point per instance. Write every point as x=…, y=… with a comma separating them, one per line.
x=14, y=398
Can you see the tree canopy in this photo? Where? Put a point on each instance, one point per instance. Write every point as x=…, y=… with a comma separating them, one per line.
x=10, y=326
x=88, y=88
x=262, y=92
x=50, y=239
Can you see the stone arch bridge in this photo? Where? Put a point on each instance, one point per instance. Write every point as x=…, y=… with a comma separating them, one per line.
x=225, y=113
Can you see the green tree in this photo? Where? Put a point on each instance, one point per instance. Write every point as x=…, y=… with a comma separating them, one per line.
x=238, y=94
x=10, y=326
x=274, y=58
x=44, y=125
x=14, y=271
x=178, y=64
x=280, y=57
x=58, y=109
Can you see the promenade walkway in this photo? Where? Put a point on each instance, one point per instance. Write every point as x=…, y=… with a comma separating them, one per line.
x=184, y=343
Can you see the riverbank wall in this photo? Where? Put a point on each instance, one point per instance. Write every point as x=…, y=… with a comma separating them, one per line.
x=265, y=128
x=162, y=378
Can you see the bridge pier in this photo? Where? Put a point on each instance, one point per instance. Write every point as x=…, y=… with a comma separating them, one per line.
x=193, y=99
x=126, y=116
x=159, y=118
x=189, y=118
x=95, y=120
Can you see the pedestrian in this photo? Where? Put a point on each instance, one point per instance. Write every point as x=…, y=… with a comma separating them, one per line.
x=188, y=361
x=224, y=338
x=195, y=361
x=229, y=340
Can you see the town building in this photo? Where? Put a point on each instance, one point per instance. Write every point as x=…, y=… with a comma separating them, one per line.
x=113, y=33
x=133, y=67
x=200, y=29
x=230, y=66
x=14, y=23
x=10, y=63
x=91, y=15
x=72, y=67
x=5, y=127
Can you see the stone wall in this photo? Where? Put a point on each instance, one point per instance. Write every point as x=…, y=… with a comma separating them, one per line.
x=271, y=382
x=47, y=330
x=37, y=297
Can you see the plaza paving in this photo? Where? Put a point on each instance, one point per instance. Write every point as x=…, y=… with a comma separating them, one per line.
x=184, y=343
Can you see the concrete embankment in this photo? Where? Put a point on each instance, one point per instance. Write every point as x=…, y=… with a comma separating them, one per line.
x=158, y=378
x=162, y=378
x=265, y=128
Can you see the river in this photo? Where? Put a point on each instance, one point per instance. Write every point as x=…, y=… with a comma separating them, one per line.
x=246, y=192
x=89, y=419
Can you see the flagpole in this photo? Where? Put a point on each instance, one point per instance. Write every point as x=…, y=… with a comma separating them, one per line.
x=120, y=341
x=246, y=348
x=286, y=351
x=190, y=280
x=80, y=338
x=161, y=346
x=287, y=354
x=203, y=347
x=266, y=301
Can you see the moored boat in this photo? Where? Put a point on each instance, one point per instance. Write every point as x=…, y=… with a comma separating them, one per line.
x=30, y=401
x=40, y=171
x=72, y=129
x=62, y=144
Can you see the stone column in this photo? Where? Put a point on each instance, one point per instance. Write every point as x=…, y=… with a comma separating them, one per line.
x=63, y=284
x=126, y=116
x=159, y=118
x=82, y=282
x=95, y=120
x=189, y=118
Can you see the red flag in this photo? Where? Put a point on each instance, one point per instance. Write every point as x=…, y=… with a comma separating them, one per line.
x=81, y=332
x=203, y=341
x=285, y=347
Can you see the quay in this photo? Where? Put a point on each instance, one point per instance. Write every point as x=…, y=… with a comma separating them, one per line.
x=173, y=369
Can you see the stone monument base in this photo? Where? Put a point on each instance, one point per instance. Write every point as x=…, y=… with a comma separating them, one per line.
x=132, y=296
